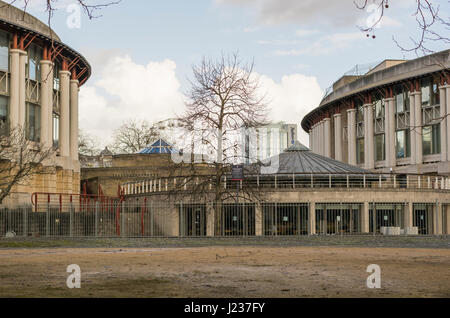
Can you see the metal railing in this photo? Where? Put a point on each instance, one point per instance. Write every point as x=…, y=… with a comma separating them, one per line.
x=145, y=218
x=295, y=181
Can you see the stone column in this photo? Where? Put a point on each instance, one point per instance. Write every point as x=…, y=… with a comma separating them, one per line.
x=418, y=127
x=365, y=218
x=14, y=98
x=74, y=119
x=351, y=120
x=312, y=218
x=46, y=105
x=65, y=114
x=443, y=109
x=391, y=158
x=369, y=160
x=447, y=97
x=22, y=85
x=338, y=137
x=409, y=215
x=258, y=219
x=318, y=138
x=446, y=210
x=412, y=122
x=310, y=139
x=438, y=226
x=327, y=137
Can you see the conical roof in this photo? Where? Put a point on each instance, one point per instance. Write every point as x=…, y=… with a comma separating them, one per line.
x=300, y=159
x=158, y=147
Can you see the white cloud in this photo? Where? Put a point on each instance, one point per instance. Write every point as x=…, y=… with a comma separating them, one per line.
x=127, y=90
x=302, y=33
x=292, y=98
x=340, y=13
x=335, y=12
x=325, y=44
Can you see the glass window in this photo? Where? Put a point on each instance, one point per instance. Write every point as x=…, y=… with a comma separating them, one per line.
x=425, y=93
x=4, y=127
x=56, y=130
x=431, y=139
x=360, y=150
x=380, y=147
x=379, y=109
x=402, y=144
x=400, y=102
x=56, y=69
x=33, y=122
x=4, y=51
x=34, y=62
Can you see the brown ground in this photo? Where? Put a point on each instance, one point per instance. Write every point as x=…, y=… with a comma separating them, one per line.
x=225, y=272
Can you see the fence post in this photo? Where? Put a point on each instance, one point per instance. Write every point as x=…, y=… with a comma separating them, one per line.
x=182, y=224
x=96, y=219
x=71, y=219
x=374, y=219
x=25, y=222
x=151, y=218
x=122, y=220
x=47, y=218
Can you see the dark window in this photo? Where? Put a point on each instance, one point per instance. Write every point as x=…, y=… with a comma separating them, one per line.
x=431, y=138
x=4, y=122
x=380, y=154
x=33, y=122
x=360, y=150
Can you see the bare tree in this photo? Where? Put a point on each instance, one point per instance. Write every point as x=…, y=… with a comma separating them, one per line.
x=87, y=145
x=429, y=20
x=132, y=136
x=224, y=99
x=90, y=8
x=20, y=160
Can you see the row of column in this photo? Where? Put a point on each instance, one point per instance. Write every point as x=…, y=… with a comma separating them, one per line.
x=444, y=100
x=320, y=133
x=68, y=133
x=438, y=227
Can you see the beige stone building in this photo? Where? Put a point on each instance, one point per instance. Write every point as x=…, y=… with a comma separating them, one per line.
x=304, y=194
x=40, y=78
x=394, y=117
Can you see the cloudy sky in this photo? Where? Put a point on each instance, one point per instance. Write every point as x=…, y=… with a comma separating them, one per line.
x=142, y=51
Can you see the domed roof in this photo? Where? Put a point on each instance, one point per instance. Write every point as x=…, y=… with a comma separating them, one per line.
x=158, y=147
x=300, y=159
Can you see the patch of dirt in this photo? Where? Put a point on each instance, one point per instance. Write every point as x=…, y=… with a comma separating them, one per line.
x=254, y=272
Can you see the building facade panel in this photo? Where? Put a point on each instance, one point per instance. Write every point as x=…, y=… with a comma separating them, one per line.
x=36, y=94
x=395, y=118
